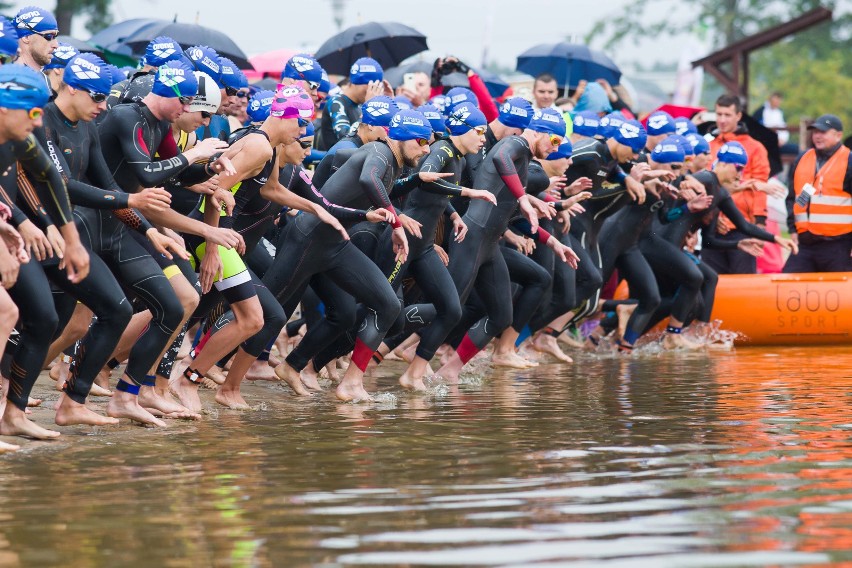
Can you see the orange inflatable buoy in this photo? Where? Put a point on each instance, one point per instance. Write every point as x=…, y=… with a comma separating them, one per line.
x=783, y=309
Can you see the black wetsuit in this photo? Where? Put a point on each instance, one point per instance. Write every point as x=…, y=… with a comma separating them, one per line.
x=313, y=247
x=339, y=115
x=324, y=169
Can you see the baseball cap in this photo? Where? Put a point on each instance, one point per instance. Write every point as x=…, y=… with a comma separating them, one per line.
x=669, y=151
x=631, y=134
x=586, y=123
x=465, y=117
x=259, y=105
x=292, y=102
x=827, y=122
x=175, y=79
x=365, y=70
x=409, y=125
x=209, y=96
x=34, y=20
x=379, y=111
x=732, y=153
x=8, y=38
x=563, y=151
x=549, y=121
x=206, y=59
x=160, y=50
x=24, y=88
x=515, y=113
x=61, y=56
x=435, y=117
x=88, y=72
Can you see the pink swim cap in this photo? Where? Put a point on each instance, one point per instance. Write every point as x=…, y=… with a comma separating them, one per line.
x=292, y=102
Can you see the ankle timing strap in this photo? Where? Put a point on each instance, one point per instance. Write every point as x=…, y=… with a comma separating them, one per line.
x=673, y=329
x=193, y=376
x=127, y=387
x=150, y=381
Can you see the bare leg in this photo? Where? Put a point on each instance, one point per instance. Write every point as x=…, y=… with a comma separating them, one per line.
x=351, y=388
x=77, y=327
x=229, y=393
x=412, y=378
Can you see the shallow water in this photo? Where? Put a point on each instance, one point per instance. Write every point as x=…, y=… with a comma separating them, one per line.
x=738, y=458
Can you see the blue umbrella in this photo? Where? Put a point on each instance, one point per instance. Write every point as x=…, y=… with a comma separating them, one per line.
x=495, y=83
x=569, y=63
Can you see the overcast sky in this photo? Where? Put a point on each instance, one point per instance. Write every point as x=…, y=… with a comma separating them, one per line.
x=460, y=27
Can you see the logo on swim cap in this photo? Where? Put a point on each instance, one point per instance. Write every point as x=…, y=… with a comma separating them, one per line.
x=378, y=108
x=658, y=121
x=579, y=120
x=163, y=50
x=509, y=108
x=628, y=130
x=85, y=70
x=301, y=64
x=195, y=53
x=64, y=51
x=395, y=121
x=431, y=114
x=666, y=148
x=254, y=104
x=459, y=117
x=170, y=77
x=731, y=149
x=30, y=19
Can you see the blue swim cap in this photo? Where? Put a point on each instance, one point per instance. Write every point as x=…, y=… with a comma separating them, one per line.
x=207, y=60
x=459, y=95
x=661, y=122
x=303, y=67
x=435, y=117
x=160, y=50
x=441, y=102
x=684, y=125
x=403, y=103
x=669, y=151
x=61, y=56
x=465, y=117
x=230, y=74
x=549, y=121
x=729, y=153
x=408, y=125
x=698, y=143
x=116, y=74
x=516, y=113
x=379, y=111
x=325, y=83
x=595, y=99
x=175, y=79
x=365, y=70
x=631, y=134
x=563, y=151
x=586, y=123
x=309, y=131
x=259, y=105
x=88, y=72
x=685, y=144
x=32, y=19
x=22, y=87
x=8, y=38
x=610, y=123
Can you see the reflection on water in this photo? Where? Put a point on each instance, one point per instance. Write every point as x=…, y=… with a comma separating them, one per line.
x=735, y=459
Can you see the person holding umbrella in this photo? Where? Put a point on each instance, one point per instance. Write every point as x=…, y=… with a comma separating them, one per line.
x=341, y=111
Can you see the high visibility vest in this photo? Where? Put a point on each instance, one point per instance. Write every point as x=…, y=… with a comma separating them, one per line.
x=829, y=212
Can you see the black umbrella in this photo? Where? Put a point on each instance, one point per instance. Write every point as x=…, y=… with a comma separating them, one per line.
x=389, y=43
x=117, y=33
x=80, y=45
x=188, y=35
x=569, y=63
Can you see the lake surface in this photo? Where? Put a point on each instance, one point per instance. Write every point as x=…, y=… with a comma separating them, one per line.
x=740, y=458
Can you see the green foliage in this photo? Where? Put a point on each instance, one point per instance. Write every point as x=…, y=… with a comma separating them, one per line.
x=97, y=11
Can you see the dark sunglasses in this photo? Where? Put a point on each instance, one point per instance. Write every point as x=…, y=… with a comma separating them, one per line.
x=676, y=167
x=231, y=92
x=305, y=144
x=242, y=94
x=205, y=114
x=313, y=85
x=303, y=123
x=49, y=36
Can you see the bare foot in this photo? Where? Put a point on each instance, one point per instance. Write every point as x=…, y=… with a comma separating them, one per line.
x=126, y=405
x=352, y=392
x=412, y=383
x=4, y=447
x=72, y=412
x=98, y=390
x=216, y=375
x=159, y=403
x=677, y=341
x=59, y=373
x=508, y=360
x=309, y=378
x=186, y=393
x=332, y=373
x=547, y=344
x=291, y=376
x=102, y=380
x=261, y=371
x=231, y=399
x=569, y=340
x=16, y=423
